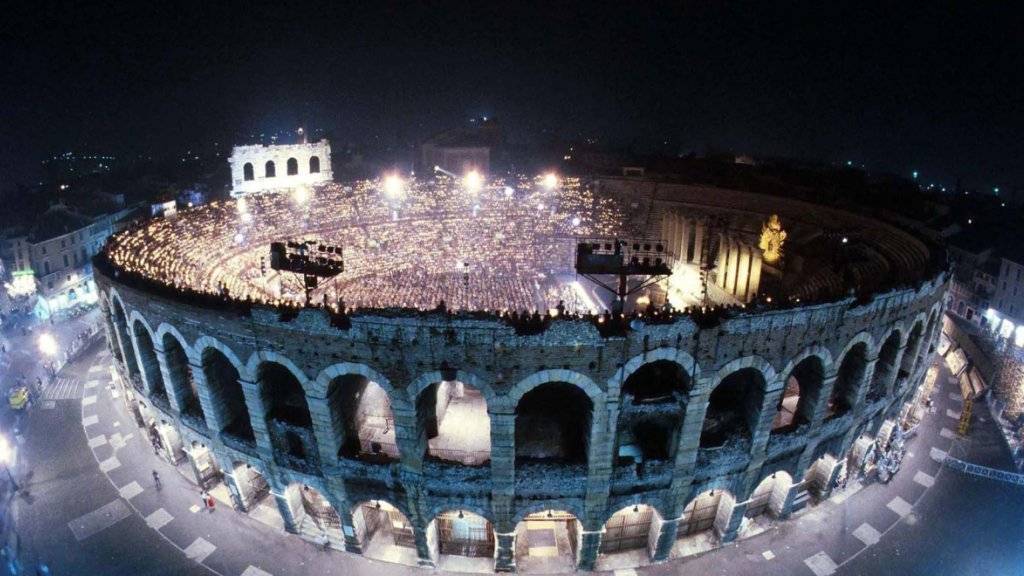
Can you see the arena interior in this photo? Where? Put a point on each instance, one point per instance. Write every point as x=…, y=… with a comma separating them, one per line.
x=460, y=397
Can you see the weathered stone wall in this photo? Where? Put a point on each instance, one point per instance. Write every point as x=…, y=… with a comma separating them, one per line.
x=405, y=355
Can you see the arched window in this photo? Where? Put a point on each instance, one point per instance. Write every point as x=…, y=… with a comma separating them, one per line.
x=799, y=397
x=227, y=395
x=293, y=166
x=247, y=172
x=270, y=171
x=150, y=365
x=361, y=418
x=314, y=165
x=848, y=380
x=733, y=408
x=553, y=423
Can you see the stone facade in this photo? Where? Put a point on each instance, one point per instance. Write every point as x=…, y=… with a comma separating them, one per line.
x=405, y=356
x=261, y=168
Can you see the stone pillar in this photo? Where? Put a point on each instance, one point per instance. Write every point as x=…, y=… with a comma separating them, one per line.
x=698, y=238
x=667, y=533
x=599, y=461
x=761, y=431
x=327, y=443
x=865, y=383
x=257, y=417
x=426, y=543
x=890, y=384
x=729, y=520
x=743, y=273
x=239, y=498
x=503, y=464
x=590, y=548
x=213, y=408
x=286, y=509
x=505, y=552
x=348, y=531
x=787, y=505
x=411, y=444
x=820, y=410
x=173, y=389
x=754, y=284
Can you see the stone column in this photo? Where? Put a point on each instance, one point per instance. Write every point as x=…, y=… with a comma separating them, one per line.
x=820, y=410
x=667, y=534
x=212, y=407
x=731, y=520
x=590, y=548
x=240, y=499
x=257, y=418
x=348, y=531
x=698, y=238
x=743, y=273
x=505, y=552
x=890, y=384
x=599, y=461
x=754, y=284
x=411, y=443
x=285, y=508
x=865, y=384
x=173, y=389
x=327, y=443
x=503, y=466
x=761, y=431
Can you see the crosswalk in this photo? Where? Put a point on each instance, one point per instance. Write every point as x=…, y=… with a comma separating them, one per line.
x=63, y=388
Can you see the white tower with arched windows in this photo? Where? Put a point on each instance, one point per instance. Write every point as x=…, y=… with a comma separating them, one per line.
x=262, y=168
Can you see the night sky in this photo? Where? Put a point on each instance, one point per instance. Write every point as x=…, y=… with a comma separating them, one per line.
x=893, y=86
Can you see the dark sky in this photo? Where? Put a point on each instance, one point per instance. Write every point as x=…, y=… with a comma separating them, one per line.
x=936, y=88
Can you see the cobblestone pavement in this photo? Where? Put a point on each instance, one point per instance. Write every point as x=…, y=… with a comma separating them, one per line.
x=928, y=520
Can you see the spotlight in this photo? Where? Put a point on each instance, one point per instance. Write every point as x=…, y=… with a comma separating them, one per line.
x=394, y=186
x=473, y=181
x=550, y=181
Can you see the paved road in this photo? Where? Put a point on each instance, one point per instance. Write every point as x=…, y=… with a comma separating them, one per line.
x=928, y=520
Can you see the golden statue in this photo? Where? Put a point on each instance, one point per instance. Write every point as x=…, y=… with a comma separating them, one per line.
x=772, y=238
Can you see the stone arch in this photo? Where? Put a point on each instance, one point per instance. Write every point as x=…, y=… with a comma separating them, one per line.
x=149, y=364
x=318, y=388
x=554, y=375
x=222, y=375
x=736, y=401
x=416, y=387
x=629, y=528
x=683, y=359
x=378, y=518
x=269, y=169
x=912, y=350
x=362, y=423
x=804, y=381
x=702, y=510
x=567, y=505
x=886, y=364
x=546, y=428
x=248, y=173
x=461, y=531
x=314, y=164
x=286, y=411
x=452, y=417
x=166, y=329
x=644, y=434
x=769, y=494
x=204, y=342
x=292, y=167
x=122, y=331
x=264, y=356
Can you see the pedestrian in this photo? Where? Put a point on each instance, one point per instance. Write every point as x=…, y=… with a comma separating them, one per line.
x=211, y=504
x=156, y=479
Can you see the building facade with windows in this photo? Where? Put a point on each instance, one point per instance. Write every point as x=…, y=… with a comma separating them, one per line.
x=276, y=167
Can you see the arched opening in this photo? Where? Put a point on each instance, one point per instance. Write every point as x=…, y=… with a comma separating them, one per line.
x=293, y=166
x=653, y=402
x=885, y=367
x=226, y=393
x=384, y=532
x=465, y=541
x=115, y=350
x=628, y=534
x=204, y=467
x=800, y=396
x=165, y=439
x=912, y=351
x=553, y=424
x=361, y=419
x=770, y=495
x=315, y=518
x=287, y=413
x=548, y=541
x=453, y=423
x=706, y=514
x=848, y=380
x=314, y=164
x=247, y=172
x=184, y=385
x=131, y=363
x=269, y=170
x=253, y=494
x=151, y=366
x=929, y=333
x=733, y=409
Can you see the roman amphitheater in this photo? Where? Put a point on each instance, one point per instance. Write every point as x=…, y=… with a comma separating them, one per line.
x=459, y=397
